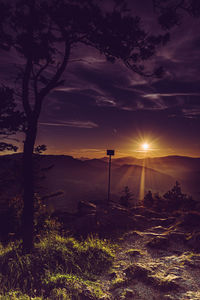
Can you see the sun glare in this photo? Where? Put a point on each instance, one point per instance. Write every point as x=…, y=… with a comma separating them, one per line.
x=145, y=146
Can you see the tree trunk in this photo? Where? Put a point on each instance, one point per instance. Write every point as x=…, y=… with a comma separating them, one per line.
x=28, y=179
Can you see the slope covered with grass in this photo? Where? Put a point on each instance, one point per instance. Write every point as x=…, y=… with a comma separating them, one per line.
x=59, y=268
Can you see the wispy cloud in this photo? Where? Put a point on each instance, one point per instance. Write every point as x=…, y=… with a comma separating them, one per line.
x=71, y=123
x=158, y=95
x=191, y=113
x=105, y=101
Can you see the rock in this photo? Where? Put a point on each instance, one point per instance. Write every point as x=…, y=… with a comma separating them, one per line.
x=167, y=222
x=158, y=229
x=85, y=224
x=137, y=272
x=191, y=220
x=177, y=237
x=194, y=241
x=64, y=217
x=158, y=242
x=124, y=293
x=152, y=214
x=191, y=295
x=134, y=252
x=141, y=222
x=85, y=208
x=160, y=282
x=132, y=234
x=164, y=283
x=168, y=297
x=139, y=210
x=101, y=218
x=127, y=294
x=115, y=216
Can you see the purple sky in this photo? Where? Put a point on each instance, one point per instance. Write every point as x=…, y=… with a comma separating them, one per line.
x=104, y=105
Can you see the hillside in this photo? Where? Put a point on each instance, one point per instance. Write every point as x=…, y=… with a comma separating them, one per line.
x=74, y=180
x=133, y=253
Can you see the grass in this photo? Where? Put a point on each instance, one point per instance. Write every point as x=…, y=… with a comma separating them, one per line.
x=58, y=268
x=118, y=282
x=75, y=286
x=17, y=295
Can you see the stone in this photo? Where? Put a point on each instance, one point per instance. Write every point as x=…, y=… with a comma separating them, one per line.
x=158, y=242
x=177, y=237
x=85, y=208
x=194, y=241
x=137, y=272
x=191, y=220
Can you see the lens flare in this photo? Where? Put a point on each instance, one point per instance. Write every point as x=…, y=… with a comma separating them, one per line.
x=145, y=146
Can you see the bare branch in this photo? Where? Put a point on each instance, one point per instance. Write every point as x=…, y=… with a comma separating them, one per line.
x=36, y=77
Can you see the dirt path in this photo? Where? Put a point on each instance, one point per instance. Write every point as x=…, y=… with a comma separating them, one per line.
x=154, y=263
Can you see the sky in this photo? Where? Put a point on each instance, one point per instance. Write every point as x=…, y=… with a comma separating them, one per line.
x=107, y=106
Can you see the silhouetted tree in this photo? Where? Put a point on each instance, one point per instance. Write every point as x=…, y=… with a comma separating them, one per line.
x=43, y=33
x=11, y=120
x=174, y=199
x=148, y=199
x=171, y=12
x=126, y=197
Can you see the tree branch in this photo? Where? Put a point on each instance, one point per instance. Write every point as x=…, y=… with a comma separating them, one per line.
x=53, y=82
x=36, y=78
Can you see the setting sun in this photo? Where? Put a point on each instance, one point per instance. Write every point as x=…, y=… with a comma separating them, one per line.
x=145, y=146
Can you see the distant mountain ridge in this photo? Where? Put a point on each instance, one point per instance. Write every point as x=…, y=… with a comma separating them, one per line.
x=79, y=179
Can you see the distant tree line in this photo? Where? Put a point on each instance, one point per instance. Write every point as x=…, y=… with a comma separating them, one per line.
x=172, y=200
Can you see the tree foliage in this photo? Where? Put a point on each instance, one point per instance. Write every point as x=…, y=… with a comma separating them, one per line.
x=11, y=120
x=171, y=12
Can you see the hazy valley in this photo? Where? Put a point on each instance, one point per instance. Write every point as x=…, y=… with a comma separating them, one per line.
x=72, y=180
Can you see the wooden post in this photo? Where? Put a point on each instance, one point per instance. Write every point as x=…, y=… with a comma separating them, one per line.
x=110, y=153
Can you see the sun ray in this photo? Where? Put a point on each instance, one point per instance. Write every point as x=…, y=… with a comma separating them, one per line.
x=142, y=183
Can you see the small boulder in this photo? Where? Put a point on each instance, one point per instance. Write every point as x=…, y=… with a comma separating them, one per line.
x=191, y=220
x=85, y=208
x=127, y=294
x=137, y=272
x=177, y=237
x=194, y=241
x=85, y=224
x=158, y=242
x=134, y=252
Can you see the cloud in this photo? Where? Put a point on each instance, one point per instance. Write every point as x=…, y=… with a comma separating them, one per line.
x=191, y=113
x=96, y=88
x=158, y=95
x=72, y=123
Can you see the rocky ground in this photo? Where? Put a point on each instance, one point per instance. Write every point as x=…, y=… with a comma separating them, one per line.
x=156, y=263
x=158, y=255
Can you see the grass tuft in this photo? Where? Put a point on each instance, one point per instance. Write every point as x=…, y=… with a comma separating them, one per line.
x=57, y=264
